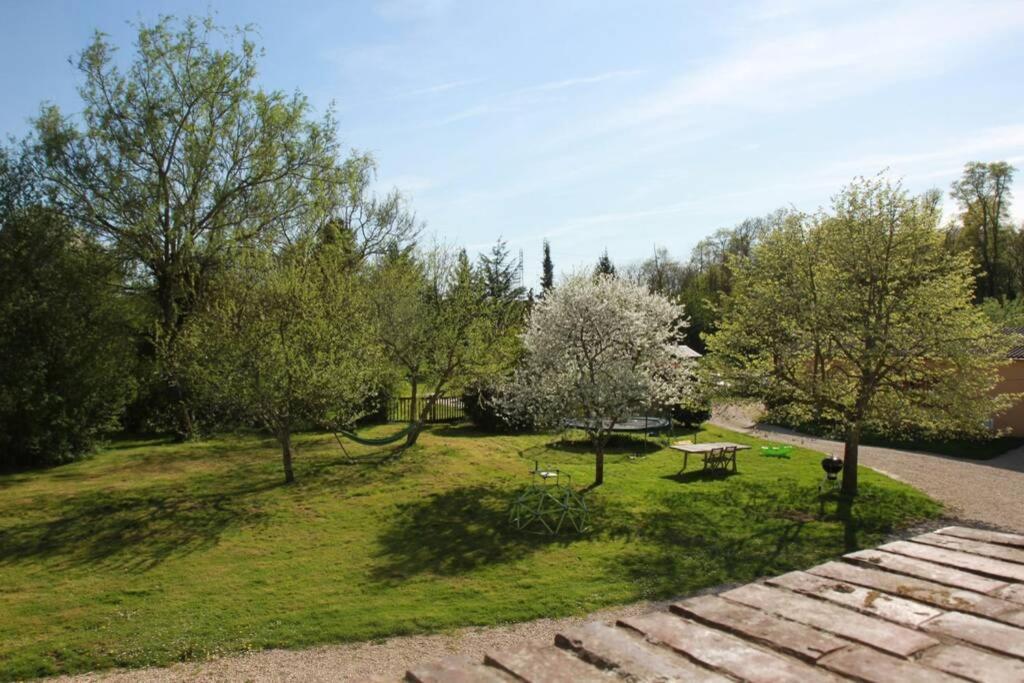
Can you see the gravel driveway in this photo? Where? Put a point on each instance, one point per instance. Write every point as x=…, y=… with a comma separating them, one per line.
x=988, y=491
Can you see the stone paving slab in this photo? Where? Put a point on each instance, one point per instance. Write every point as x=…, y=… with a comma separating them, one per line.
x=548, y=664
x=1013, y=592
x=882, y=635
x=458, y=670
x=866, y=600
x=788, y=636
x=864, y=664
x=987, y=566
x=974, y=664
x=988, y=634
x=899, y=564
x=722, y=651
x=984, y=535
x=927, y=592
x=1000, y=552
x=946, y=606
x=624, y=651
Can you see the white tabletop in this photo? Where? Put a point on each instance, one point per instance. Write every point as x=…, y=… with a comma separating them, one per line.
x=707, y=447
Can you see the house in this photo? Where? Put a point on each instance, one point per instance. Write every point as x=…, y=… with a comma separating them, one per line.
x=1012, y=382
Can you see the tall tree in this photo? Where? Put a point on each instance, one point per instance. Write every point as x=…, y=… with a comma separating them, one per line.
x=983, y=192
x=547, y=278
x=179, y=158
x=437, y=321
x=862, y=317
x=604, y=265
x=599, y=348
x=500, y=274
x=285, y=341
x=699, y=283
x=64, y=331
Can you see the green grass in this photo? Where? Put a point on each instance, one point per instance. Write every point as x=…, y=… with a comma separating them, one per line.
x=153, y=552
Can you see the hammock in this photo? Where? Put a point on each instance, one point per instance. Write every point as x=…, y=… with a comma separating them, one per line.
x=383, y=441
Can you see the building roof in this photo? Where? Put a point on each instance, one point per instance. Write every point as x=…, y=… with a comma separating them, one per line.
x=686, y=352
x=1017, y=352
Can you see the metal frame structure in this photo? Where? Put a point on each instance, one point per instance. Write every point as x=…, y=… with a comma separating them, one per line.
x=548, y=507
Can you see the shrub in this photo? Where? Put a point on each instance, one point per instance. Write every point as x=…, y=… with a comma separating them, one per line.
x=64, y=339
x=480, y=402
x=692, y=413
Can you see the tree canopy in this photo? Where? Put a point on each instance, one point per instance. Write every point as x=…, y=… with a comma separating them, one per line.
x=604, y=265
x=861, y=316
x=179, y=158
x=599, y=348
x=547, y=278
x=285, y=342
x=984, y=228
x=439, y=322
x=65, y=331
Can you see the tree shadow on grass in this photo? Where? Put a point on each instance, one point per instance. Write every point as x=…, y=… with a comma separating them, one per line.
x=454, y=532
x=737, y=533
x=618, y=444
x=135, y=529
x=214, y=487
x=618, y=450
x=701, y=475
x=464, y=430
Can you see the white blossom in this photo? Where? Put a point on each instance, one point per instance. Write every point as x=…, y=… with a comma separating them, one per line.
x=600, y=348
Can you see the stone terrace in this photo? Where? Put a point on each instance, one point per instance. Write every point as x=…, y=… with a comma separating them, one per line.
x=943, y=606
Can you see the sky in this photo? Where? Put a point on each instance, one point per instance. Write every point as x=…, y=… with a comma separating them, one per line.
x=603, y=124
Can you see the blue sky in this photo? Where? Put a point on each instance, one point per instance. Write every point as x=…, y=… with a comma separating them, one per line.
x=618, y=125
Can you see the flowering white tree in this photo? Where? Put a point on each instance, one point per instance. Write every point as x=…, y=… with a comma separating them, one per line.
x=600, y=348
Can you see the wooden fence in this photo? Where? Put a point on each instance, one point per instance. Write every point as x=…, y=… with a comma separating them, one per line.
x=446, y=409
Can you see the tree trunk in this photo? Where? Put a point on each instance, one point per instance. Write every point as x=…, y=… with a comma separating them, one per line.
x=599, y=463
x=849, y=487
x=428, y=409
x=185, y=430
x=286, y=455
x=413, y=412
x=170, y=324
x=414, y=433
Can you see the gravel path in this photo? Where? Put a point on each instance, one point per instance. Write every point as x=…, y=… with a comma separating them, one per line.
x=386, y=660
x=987, y=491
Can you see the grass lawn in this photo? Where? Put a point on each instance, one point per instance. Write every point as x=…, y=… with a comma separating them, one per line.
x=153, y=552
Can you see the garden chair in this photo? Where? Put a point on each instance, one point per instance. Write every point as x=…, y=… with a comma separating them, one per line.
x=720, y=459
x=713, y=460
x=729, y=454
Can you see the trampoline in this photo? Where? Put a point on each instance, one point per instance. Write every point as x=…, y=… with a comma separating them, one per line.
x=633, y=424
x=646, y=425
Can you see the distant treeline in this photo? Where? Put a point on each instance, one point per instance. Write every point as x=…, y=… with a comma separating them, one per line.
x=982, y=228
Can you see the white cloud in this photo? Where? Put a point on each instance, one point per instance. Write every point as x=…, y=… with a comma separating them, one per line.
x=439, y=88
x=585, y=80
x=824, y=60
x=521, y=97
x=468, y=113
x=983, y=145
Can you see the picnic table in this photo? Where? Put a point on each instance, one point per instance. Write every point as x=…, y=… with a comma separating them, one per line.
x=717, y=454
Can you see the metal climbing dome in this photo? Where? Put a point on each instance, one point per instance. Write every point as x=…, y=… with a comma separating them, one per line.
x=549, y=506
